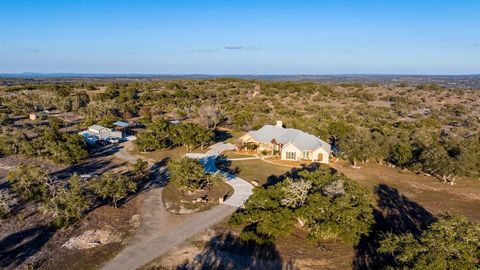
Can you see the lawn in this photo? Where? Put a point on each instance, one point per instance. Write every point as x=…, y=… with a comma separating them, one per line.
x=256, y=170
x=235, y=154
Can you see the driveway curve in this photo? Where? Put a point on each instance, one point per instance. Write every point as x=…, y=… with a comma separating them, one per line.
x=242, y=189
x=160, y=230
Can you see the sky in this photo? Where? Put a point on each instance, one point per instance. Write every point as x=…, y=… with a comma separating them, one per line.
x=240, y=37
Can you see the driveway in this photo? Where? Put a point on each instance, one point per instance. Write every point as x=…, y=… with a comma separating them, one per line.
x=160, y=230
x=242, y=189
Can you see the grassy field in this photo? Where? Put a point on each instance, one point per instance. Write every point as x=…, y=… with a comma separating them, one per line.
x=256, y=170
x=235, y=154
x=436, y=197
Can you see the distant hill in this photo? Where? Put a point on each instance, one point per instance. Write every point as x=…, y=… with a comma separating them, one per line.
x=452, y=81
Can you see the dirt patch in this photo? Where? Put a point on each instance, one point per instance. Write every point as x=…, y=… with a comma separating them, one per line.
x=179, y=202
x=116, y=225
x=92, y=238
x=221, y=248
x=27, y=239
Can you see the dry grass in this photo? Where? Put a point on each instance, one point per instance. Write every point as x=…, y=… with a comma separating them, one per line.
x=437, y=197
x=236, y=154
x=175, y=199
x=160, y=154
x=257, y=170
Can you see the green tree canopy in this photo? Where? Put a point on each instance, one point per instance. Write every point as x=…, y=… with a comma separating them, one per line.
x=450, y=243
x=113, y=187
x=66, y=202
x=326, y=204
x=30, y=182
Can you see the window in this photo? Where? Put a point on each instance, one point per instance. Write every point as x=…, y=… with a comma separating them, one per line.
x=291, y=155
x=306, y=154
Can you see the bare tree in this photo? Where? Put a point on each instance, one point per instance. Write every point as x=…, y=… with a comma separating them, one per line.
x=210, y=116
x=296, y=192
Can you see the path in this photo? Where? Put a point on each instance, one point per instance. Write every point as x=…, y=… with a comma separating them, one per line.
x=124, y=154
x=160, y=230
x=242, y=189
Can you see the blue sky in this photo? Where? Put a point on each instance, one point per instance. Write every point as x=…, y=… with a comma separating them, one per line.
x=240, y=37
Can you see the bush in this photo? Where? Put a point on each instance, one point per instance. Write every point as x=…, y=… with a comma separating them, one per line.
x=140, y=167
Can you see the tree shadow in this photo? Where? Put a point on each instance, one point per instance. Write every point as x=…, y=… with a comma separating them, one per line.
x=222, y=135
x=225, y=165
x=19, y=246
x=226, y=251
x=88, y=167
x=294, y=173
x=395, y=214
x=104, y=151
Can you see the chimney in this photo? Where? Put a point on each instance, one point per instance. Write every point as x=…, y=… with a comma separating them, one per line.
x=279, y=123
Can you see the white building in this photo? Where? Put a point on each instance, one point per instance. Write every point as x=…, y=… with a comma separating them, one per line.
x=288, y=143
x=96, y=133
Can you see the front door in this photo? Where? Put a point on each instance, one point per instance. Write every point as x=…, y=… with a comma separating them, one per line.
x=320, y=157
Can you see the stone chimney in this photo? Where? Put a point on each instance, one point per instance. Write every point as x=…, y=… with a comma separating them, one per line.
x=279, y=123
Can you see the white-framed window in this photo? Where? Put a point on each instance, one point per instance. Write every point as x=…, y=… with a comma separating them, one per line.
x=291, y=155
x=306, y=154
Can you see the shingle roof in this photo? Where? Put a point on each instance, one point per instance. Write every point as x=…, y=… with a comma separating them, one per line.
x=302, y=140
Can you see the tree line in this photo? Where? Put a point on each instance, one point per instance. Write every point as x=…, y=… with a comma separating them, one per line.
x=161, y=134
x=49, y=143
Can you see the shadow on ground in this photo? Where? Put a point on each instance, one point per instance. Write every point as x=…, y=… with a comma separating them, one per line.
x=225, y=165
x=17, y=247
x=227, y=251
x=222, y=135
x=396, y=214
x=293, y=174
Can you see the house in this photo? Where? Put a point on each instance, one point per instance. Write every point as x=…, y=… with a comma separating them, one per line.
x=97, y=133
x=287, y=143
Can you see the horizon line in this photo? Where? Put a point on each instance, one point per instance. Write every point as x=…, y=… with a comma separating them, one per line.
x=225, y=75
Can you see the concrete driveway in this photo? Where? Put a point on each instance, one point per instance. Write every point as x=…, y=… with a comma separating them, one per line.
x=160, y=231
x=242, y=189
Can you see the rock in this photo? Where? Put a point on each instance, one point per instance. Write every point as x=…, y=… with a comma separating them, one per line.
x=220, y=200
x=135, y=220
x=91, y=238
x=255, y=183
